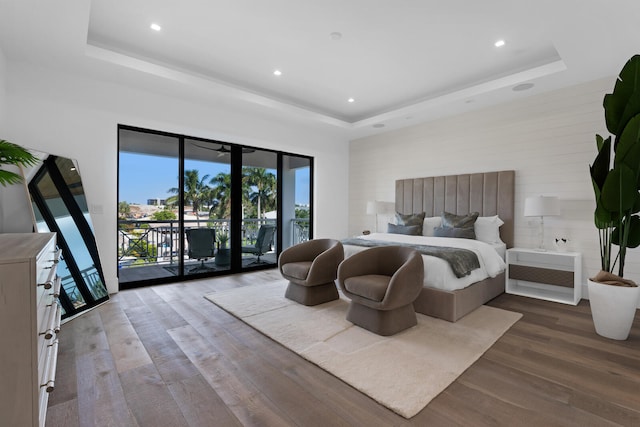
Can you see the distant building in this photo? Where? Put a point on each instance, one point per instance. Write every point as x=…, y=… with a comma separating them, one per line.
x=156, y=202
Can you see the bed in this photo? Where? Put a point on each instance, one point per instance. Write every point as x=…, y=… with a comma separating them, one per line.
x=489, y=194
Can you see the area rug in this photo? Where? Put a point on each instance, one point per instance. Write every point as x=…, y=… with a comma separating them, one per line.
x=403, y=372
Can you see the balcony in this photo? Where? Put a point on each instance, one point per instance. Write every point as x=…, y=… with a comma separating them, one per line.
x=150, y=249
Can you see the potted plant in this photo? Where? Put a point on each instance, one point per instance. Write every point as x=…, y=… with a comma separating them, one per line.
x=12, y=154
x=616, y=182
x=223, y=256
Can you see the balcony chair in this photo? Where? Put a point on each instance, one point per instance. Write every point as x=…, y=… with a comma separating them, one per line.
x=311, y=268
x=201, y=243
x=263, y=243
x=382, y=283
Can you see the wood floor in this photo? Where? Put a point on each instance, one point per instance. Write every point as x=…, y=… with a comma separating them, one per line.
x=165, y=356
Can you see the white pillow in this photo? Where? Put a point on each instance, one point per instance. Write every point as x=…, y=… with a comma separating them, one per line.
x=429, y=224
x=487, y=229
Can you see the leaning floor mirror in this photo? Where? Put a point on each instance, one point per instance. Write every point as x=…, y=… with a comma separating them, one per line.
x=59, y=205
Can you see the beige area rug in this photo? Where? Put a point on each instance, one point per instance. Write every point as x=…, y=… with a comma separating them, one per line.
x=403, y=372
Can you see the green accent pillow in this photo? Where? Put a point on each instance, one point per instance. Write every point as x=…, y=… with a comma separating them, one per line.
x=461, y=233
x=410, y=230
x=450, y=220
x=412, y=219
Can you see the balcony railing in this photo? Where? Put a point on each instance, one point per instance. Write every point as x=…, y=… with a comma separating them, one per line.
x=147, y=242
x=91, y=278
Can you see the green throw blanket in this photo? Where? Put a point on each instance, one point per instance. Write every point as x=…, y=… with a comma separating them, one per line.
x=462, y=261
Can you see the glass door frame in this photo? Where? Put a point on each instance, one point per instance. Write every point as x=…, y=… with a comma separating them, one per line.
x=235, y=229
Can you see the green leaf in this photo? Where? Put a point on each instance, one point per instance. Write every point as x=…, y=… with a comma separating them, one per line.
x=628, y=143
x=631, y=110
x=12, y=154
x=599, y=142
x=600, y=168
x=602, y=217
x=9, y=178
x=619, y=191
x=615, y=104
x=633, y=240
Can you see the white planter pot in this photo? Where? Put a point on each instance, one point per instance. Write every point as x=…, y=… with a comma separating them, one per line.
x=613, y=309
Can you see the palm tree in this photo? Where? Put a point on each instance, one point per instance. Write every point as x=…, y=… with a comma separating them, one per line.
x=263, y=184
x=194, y=192
x=221, y=193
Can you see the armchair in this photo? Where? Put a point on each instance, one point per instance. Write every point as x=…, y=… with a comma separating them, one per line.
x=382, y=283
x=311, y=268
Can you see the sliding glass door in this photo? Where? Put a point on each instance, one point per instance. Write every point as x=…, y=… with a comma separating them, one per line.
x=149, y=232
x=259, y=208
x=207, y=214
x=191, y=207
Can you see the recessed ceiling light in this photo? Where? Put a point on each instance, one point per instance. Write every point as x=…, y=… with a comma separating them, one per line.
x=499, y=43
x=335, y=35
x=155, y=27
x=522, y=86
x=277, y=73
x=351, y=100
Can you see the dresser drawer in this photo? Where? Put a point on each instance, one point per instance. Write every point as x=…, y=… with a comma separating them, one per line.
x=47, y=379
x=48, y=332
x=31, y=314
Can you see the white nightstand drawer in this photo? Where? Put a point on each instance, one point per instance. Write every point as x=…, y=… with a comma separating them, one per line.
x=554, y=276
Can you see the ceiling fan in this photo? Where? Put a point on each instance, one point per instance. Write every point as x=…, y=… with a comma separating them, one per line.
x=222, y=150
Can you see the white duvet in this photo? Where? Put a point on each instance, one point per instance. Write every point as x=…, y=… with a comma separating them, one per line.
x=437, y=272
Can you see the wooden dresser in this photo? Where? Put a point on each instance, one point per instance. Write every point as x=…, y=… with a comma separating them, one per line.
x=30, y=319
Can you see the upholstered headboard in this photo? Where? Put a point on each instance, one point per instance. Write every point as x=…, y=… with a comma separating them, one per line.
x=490, y=193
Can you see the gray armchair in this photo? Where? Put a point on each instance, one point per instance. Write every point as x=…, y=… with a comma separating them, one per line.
x=382, y=283
x=311, y=268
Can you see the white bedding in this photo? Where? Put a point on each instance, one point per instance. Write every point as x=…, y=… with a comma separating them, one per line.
x=437, y=272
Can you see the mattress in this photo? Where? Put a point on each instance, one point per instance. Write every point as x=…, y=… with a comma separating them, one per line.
x=437, y=272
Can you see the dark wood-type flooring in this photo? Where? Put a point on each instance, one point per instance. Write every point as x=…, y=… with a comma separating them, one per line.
x=165, y=356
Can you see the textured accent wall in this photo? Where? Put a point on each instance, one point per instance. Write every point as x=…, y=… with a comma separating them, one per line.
x=548, y=139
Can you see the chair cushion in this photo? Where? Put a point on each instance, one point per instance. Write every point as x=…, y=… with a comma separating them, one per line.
x=371, y=286
x=298, y=270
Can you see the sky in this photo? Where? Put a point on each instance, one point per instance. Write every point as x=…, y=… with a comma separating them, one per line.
x=144, y=176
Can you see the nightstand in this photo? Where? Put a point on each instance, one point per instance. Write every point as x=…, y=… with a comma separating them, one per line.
x=553, y=276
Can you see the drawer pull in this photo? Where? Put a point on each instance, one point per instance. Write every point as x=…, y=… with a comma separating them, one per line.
x=56, y=325
x=56, y=287
x=49, y=374
x=50, y=278
x=49, y=331
x=56, y=256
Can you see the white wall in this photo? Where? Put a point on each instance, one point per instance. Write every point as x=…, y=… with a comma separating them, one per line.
x=548, y=139
x=77, y=117
x=3, y=103
x=3, y=92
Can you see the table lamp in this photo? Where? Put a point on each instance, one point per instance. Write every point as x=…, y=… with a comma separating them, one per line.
x=541, y=206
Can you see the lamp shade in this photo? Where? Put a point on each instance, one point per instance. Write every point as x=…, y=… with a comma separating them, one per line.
x=541, y=206
x=371, y=208
x=379, y=207
x=385, y=208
